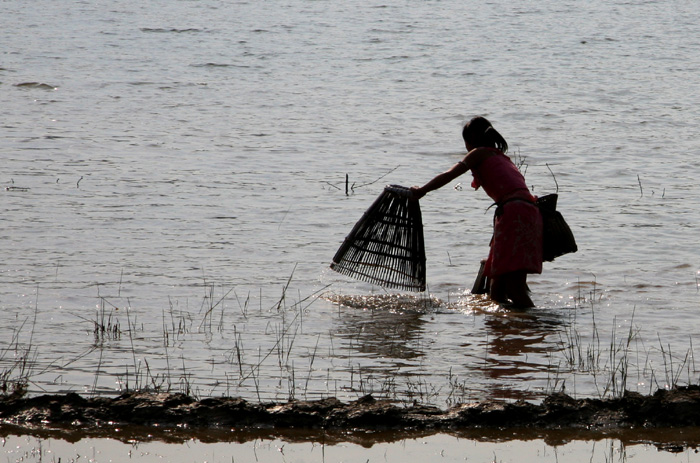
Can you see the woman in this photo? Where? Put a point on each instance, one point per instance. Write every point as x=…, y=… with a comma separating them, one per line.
x=516, y=246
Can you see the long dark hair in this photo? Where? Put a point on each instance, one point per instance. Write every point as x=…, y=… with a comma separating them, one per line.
x=479, y=132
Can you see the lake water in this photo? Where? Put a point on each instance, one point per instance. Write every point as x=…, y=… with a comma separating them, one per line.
x=419, y=448
x=174, y=172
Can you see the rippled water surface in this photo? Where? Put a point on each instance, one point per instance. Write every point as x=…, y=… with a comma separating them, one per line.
x=174, y=187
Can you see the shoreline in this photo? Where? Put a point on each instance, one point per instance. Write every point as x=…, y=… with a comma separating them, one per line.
x=656, y=418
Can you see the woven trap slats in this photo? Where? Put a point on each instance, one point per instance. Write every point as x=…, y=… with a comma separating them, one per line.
x=385, y=247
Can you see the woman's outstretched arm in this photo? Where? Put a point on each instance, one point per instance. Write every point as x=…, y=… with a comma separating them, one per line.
x=439, y=180
x=471, y=160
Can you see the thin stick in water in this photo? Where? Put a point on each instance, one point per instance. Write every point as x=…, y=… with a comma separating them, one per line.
x=554, y=177
x=641, y=191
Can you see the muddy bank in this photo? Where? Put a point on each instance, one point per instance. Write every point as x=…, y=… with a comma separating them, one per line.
x=168, y=417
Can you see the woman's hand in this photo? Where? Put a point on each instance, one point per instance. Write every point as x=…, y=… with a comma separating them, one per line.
x=417, y=193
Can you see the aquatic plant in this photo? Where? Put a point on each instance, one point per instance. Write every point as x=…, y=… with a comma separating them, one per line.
x=268, y=353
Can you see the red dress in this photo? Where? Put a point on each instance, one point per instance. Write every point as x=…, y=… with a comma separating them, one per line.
x=517, y=228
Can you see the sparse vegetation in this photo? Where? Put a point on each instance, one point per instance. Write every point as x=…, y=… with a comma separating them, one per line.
x=291, y=363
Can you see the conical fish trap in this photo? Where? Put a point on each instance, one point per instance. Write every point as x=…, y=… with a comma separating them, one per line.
x=386, y=245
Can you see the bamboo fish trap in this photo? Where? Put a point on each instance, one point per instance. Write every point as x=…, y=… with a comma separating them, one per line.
x=386, y=247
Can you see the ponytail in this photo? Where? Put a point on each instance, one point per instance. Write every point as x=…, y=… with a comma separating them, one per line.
x=479, y=132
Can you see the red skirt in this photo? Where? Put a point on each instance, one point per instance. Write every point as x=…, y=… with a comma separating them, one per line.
x=517, y=240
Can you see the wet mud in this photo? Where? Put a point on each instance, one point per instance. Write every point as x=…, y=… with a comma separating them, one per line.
x=670, y=419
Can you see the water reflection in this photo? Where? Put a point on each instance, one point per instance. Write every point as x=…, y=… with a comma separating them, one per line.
x=481, y=444
x=384, y=343
x=518, y=352
x=385, y=326
x=390, y=337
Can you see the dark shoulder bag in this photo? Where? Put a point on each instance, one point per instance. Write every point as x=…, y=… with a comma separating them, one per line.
x=557, y=238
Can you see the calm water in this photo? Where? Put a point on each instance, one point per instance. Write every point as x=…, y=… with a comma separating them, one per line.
x=175, y=172
x=420, y=448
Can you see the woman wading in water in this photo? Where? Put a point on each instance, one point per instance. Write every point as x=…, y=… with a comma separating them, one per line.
x=516, y=246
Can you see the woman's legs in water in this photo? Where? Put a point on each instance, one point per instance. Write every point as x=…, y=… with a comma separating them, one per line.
x=497, y=290
x=511, y=286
